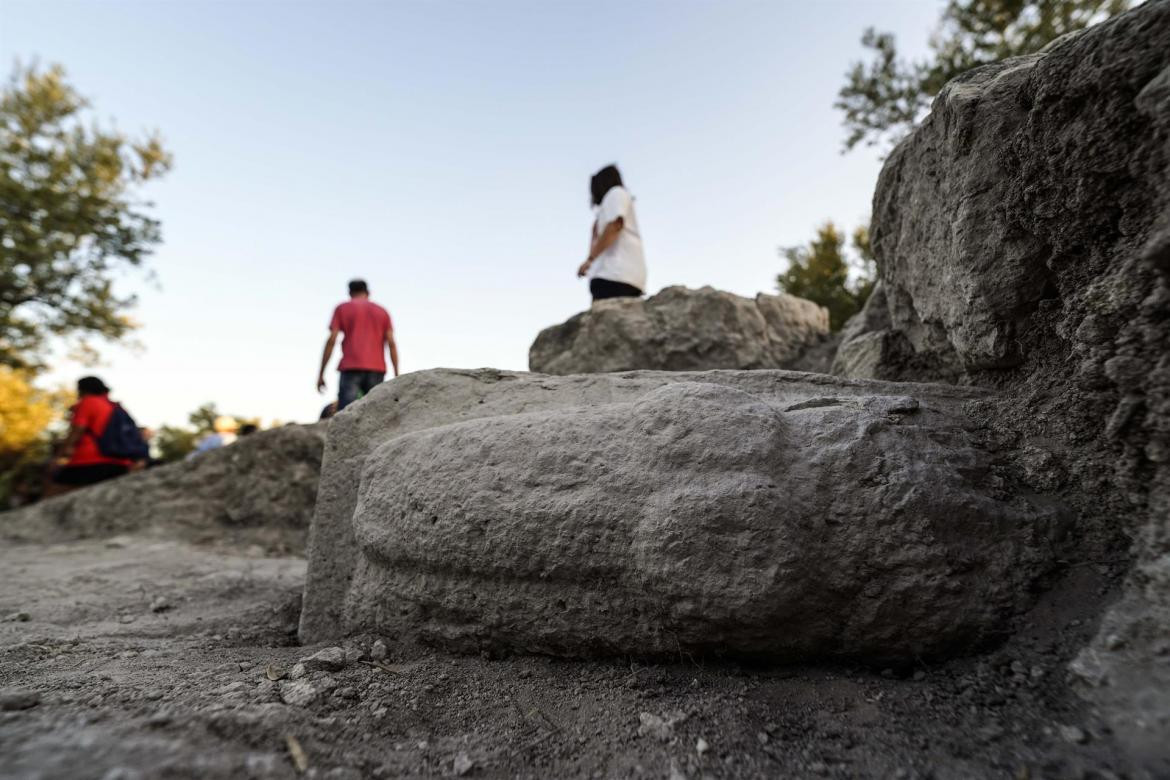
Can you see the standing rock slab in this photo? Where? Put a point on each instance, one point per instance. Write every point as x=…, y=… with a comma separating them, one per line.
x=759, y=513
x=1022, y=233
x=680, y=329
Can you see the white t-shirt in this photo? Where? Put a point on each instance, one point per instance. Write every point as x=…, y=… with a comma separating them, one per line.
x=624, y=260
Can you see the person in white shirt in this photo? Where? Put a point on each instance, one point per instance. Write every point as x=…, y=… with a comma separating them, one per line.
x=616, y=266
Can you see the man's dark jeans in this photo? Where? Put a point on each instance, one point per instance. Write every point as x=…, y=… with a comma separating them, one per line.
x=355, y=384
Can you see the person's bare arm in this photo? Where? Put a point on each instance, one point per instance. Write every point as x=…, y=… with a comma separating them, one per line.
x=601, y=243
x=329, y=344
x=393, y=347
x=66, y=450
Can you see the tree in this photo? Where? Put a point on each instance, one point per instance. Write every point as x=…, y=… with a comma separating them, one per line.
x=175, y=443
x=70, y=216
x=27, y=416
x=882, y=99
x=820, y=273
x=203, y=418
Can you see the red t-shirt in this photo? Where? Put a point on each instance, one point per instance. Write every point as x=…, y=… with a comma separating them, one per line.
x=92, y=412
x=365, y=325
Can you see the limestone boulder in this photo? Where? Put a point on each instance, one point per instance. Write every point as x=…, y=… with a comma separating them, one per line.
x=259, y=490
x=759, y=513
x=680, y=329
x=1022, y=233
x=862, y=350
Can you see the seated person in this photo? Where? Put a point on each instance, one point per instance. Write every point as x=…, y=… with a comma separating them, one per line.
x=82, y=462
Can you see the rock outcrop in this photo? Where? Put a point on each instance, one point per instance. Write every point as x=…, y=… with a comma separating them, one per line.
x=259, y=490
x=683, y=330
x=1023, y=238
x=768, y=514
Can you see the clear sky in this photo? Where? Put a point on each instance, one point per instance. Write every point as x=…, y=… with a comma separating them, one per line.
x=442, y=150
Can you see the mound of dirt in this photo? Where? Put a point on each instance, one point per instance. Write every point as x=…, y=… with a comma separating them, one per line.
x=259, y=490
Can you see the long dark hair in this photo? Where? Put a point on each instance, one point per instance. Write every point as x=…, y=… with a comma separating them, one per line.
x=603, y=181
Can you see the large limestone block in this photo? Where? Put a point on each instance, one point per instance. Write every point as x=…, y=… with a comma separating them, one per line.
x=1009, y=224
x=760, y=513
x=1023, y=237
x=682, y=330
x=261, y=490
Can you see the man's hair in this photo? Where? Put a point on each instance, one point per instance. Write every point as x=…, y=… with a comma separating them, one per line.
x=603, y=181
x=358, y=286
x=91, y=385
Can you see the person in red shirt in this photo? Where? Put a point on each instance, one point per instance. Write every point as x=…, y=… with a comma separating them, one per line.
x=368, y=333
x=83, y=462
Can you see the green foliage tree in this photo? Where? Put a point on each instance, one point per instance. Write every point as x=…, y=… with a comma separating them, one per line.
x=884, y=97
x=203, y=418
x=70, y=216
x=820, y=273
x=173, y=443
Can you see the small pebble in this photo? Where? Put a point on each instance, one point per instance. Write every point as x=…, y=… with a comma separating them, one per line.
x=1114, y=642
x=330, y=659
x=12, y=699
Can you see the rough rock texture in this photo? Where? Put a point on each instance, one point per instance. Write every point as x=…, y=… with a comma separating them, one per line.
x=682, y=330
x=259, y=490
x=755, y=513
x=862, y=350
x=195, y=693
x=1023, y=237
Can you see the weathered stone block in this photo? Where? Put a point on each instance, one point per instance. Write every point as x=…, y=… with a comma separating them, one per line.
x=767, y=514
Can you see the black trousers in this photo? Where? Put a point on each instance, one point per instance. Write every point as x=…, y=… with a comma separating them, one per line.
x=89, y=474
x=356, y=384
x=604, y=288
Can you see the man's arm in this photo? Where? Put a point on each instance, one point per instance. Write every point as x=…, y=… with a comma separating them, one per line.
x=329, y=342
x=393, y=349
x=65, y=451
x=602, y=243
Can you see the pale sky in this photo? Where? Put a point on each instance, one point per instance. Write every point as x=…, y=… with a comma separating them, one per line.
x=442, y=151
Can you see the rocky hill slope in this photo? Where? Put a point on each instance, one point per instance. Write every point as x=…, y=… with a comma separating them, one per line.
x=1023, y=239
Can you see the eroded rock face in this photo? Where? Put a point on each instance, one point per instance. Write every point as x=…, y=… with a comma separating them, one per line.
x=763, y=514
x=682, y=330
x=1023, y=237
x=260, y=490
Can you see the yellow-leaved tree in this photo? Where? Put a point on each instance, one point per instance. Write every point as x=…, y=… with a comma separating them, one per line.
x=27, y=418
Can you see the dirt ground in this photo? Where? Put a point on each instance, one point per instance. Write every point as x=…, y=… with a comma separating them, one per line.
x=133, y=658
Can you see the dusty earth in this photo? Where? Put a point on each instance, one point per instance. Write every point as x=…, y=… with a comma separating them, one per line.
x=131, y=657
